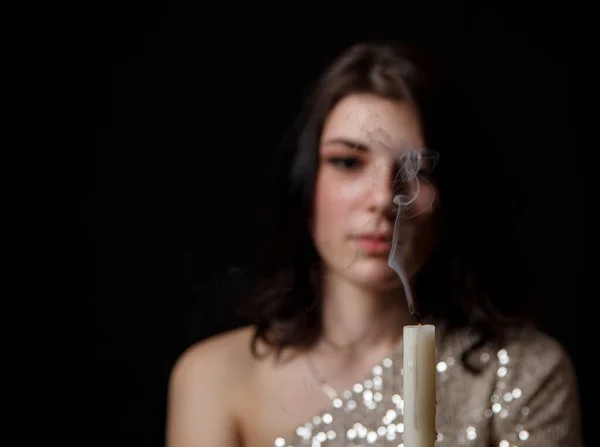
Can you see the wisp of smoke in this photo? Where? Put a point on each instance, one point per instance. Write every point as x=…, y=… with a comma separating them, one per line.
x=407, y=188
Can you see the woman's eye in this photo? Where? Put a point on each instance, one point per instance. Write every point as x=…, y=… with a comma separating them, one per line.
x=346, y=163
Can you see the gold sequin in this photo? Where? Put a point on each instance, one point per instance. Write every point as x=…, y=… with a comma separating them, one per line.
x=370, y=413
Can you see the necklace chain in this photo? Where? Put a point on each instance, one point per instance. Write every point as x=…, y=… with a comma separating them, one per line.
x=321, y=380
x=338, y=347
x=319, y=376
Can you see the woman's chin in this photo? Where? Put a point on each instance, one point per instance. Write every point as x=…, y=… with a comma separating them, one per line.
x=375, y=273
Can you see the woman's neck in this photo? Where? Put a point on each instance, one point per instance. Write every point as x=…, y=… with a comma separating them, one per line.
x=356, y=317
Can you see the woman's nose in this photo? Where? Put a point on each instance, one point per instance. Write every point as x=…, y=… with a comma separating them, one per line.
x=382, y=193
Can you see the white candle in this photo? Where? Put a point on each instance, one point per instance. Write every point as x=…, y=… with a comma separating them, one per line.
x=419, y=386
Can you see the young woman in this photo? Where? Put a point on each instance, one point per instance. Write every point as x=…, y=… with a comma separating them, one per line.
x=321, y=365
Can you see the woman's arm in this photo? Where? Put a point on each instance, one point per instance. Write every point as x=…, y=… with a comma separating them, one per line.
x=543, y=408
x=198, y=409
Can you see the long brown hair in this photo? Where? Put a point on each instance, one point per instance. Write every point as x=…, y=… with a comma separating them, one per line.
x=472, y=279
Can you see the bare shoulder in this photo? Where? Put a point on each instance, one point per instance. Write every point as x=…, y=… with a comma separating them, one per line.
x=205, y=383
x=231, y=349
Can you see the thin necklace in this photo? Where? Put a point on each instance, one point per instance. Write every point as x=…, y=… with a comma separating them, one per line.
x=337, y=347
x=320, y=378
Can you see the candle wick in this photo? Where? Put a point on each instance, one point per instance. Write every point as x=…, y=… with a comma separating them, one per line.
x=417, y=317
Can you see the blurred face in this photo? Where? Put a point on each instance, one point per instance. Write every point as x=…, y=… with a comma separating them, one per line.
x=366, y=149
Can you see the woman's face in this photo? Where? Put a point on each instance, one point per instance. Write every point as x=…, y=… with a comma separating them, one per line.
x=361, y=148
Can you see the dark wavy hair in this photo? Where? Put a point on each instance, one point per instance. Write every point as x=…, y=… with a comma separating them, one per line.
x=475, y=277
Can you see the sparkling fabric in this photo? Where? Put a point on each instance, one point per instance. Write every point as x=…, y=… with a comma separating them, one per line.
x=526, y=396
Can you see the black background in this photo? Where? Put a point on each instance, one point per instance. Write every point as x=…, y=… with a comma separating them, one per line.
x=191, y=103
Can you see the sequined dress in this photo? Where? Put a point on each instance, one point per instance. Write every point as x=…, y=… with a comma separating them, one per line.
x=525, y=395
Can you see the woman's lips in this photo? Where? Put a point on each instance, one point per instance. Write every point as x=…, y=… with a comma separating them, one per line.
x=373, y=245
